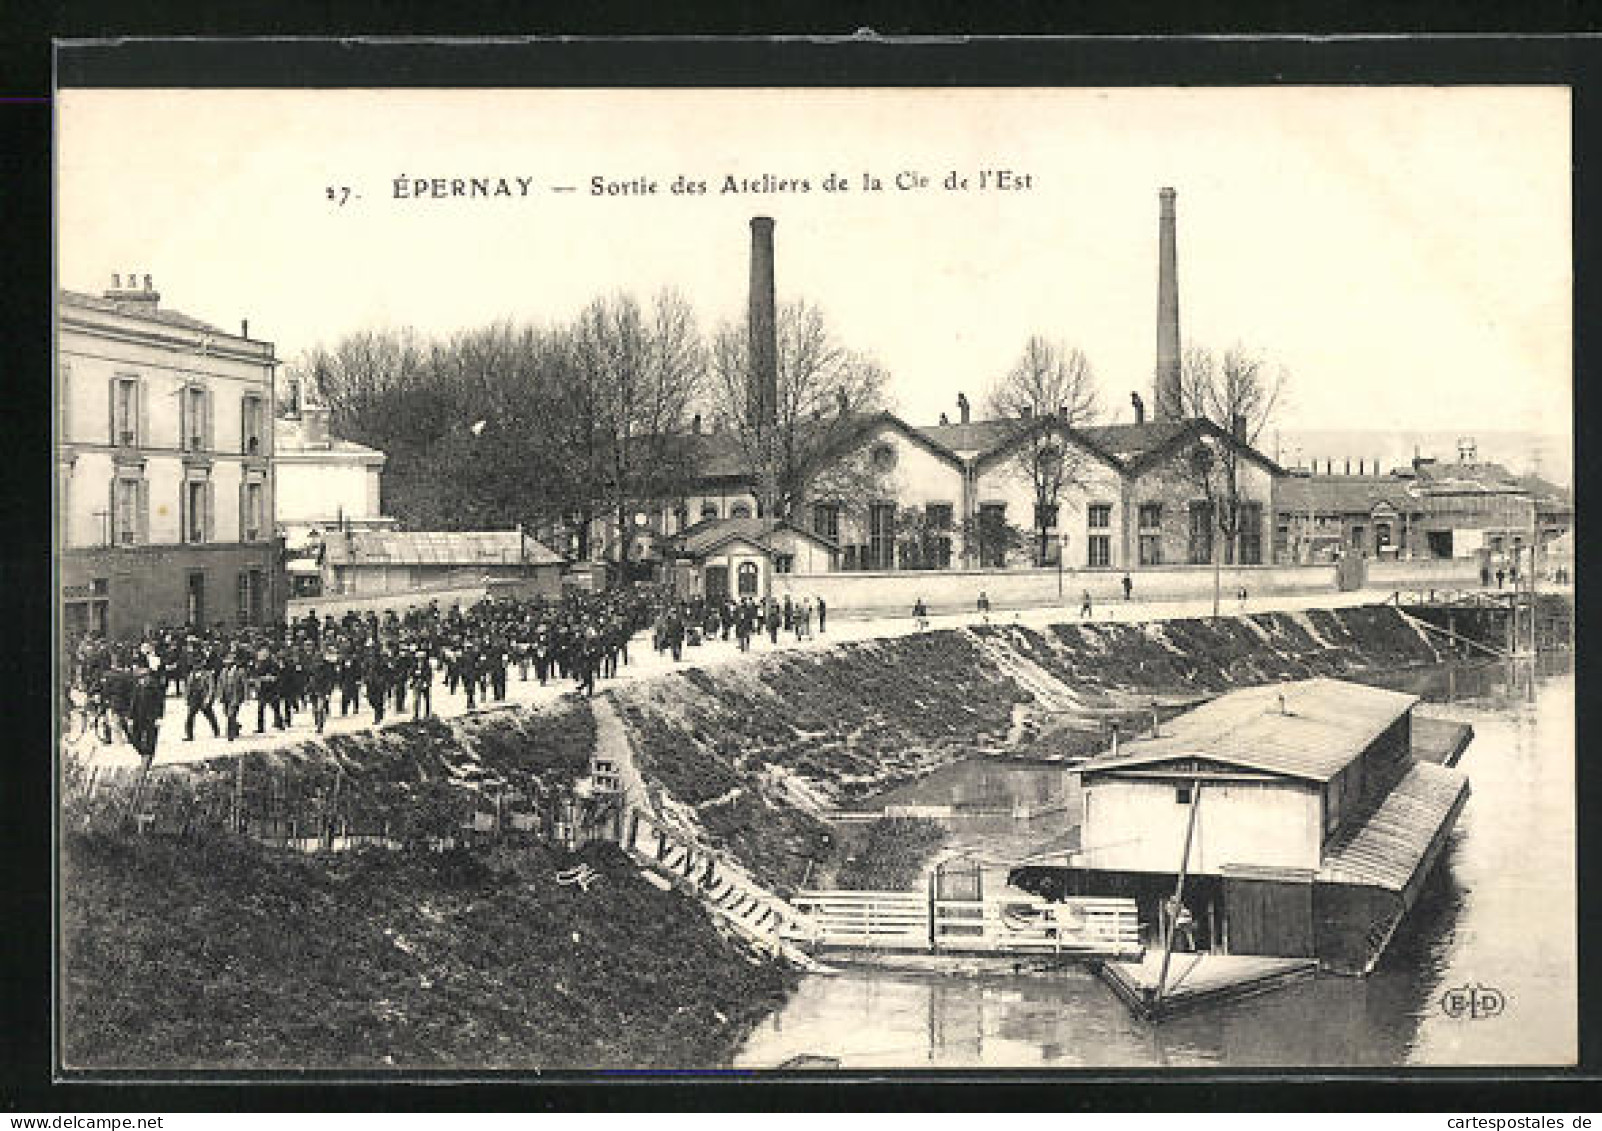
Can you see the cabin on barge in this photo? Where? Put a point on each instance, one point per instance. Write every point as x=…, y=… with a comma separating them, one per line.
x=1302, y=823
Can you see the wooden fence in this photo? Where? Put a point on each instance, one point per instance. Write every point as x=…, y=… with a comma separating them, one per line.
x=922, y=921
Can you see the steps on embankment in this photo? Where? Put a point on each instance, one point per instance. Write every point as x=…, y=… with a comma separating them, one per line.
x=725, y=889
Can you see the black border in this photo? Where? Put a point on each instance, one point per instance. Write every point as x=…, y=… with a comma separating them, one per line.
x=885, y=60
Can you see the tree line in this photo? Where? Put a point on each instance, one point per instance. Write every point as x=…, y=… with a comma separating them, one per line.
x=606, y=415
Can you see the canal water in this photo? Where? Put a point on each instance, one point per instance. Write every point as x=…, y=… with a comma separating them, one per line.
x=1498, y=913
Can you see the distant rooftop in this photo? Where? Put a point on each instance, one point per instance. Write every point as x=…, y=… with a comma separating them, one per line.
x=139, y=303
x=441, y=547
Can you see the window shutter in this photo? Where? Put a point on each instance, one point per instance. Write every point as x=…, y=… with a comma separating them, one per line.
x=244, y=423
x=143, y=535
x=183, y=510
x=211, y=511
x=109, y=530
x=142, y=401
x=207, y=429
x=111, y=411
x=186, y=426
x=242, y=491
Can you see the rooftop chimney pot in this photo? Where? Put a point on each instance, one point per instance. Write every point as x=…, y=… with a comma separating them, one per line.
x=1140, y=408
x=962, y=406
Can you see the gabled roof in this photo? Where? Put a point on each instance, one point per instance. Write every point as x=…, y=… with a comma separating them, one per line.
x=1325, y=725
x=137, y=309
x=704, y=537
x=436, y=547
x=1018, y=432
x=1346, y=494
x=1140, y=446
x=974, y=437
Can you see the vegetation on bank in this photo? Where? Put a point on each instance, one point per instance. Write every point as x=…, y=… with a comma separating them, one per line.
x=891, y=854
x=222, y=953
x=725, y=747
x=410, y=783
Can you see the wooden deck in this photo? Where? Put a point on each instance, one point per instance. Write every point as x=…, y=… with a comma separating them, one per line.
x=1198, y=980
x=1441, y=741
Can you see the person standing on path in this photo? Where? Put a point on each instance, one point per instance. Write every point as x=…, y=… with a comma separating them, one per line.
x=823, y=615
x=422, y=679
x=1129, y=585
x=1084, y=605
x=984, y=605
x=149, y=703
x=266, y=682
x=320, y=687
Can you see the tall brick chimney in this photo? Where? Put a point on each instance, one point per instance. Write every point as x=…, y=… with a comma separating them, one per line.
x=1166, y=402
x=762, y=327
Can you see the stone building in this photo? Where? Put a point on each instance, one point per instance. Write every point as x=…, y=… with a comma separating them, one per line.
x=165, y=475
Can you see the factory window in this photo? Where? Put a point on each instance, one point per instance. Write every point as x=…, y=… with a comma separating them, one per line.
x=709, y=509
x=250, y=513
x=882, y=536
x=783, y=563
x=1251, y=534
x=1100, y=516
x=1201, y=532
x=1182, y=794
x=1151, y=538
x=1099, y=550
x=1045, y=516
x=826, y=521
x=740, y=510
x=992, y=535
x=884, y=458
x=746, y=578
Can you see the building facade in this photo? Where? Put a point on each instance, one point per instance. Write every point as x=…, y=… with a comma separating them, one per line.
x=324, y=483
x=165, y=474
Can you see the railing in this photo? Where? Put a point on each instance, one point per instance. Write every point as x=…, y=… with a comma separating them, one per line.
x=886, y=920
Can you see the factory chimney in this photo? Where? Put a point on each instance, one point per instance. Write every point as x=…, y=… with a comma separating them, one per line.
x=1166, y=404
x=1140, y=408
x=763, y=326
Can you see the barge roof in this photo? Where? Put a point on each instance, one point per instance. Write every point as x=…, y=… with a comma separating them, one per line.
x=1325, y=725
x=1391, y=844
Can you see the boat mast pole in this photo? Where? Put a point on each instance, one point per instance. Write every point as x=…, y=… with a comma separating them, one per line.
x=1179, y=888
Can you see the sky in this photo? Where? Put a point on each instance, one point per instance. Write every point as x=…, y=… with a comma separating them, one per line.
x=1404, y=253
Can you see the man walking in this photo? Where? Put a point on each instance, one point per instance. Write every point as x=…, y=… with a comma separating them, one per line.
x=232, y=687
x=266, y=681
x=823, y=616
x=200, y=690
x=1084, y=605
x=422, y=675
x=320, y=685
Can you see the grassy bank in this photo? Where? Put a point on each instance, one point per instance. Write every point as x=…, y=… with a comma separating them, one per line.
x=890, y=854
x=411, y=782
x=736, y=750
x=221, y=953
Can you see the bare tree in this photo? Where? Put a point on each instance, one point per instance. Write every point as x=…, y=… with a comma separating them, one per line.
x=1236, y=391
x=637, y=372
x=805, y=449
x=1049, y=391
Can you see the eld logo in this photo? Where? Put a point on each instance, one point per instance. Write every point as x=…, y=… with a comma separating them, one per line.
x=1473, y=1002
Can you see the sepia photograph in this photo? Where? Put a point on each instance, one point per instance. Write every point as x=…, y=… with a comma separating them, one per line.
x=811, y=580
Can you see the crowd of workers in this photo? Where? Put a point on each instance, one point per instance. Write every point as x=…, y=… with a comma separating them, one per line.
x=389, y=663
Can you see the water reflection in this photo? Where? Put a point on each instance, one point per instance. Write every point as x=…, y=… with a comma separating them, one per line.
x=1498, y=911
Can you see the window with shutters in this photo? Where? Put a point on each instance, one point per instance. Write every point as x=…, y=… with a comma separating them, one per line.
x=1151, y=533
x=252, y=514
x=194, y=502
x=125, y=412
x=194, y=422
x=125, y=524
x=250, y=426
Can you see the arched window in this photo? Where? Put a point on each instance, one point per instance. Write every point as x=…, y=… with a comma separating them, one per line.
x=748, y=579
x=740, y=510
x=884, y=457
